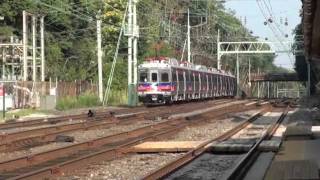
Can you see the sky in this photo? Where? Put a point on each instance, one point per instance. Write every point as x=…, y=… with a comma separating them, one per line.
x=277, y=9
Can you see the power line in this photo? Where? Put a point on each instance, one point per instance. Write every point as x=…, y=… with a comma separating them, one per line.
x=273, y=30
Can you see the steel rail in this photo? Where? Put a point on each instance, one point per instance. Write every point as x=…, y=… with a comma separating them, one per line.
x=21, y=139
x=193, y=154
x=58, y=119
x=110, y=140
x=28, y=138
x=113, y=141
x=242, y=166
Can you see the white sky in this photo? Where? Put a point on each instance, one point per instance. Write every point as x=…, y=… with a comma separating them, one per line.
x=280, y=9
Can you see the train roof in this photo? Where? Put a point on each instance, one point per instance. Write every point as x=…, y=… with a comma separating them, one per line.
x=166, y=62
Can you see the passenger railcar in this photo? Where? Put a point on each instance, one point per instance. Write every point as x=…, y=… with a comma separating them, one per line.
x=165, y=80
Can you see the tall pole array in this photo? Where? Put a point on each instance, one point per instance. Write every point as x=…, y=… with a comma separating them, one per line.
x=238, y=76
x=34, y=46
x=99, y=55
x=189, y=38
x=133, y=34
x=218, y=51
x=37, y=59
x=42, y=49
x=25, y=46
x=309, y=79
x=135, y=50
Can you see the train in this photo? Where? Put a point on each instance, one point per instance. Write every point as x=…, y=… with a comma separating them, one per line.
x=165, y=80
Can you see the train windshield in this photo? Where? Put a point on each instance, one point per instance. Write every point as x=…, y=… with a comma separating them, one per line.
x=143, y=76
x=153, y=76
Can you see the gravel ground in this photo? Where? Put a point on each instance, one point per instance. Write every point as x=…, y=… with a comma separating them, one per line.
x=85, y=136
x=5, y=156
x=213, y=129
x=130, y=167
x=136, y=166
x=207, y=166
x=79, y=137
x=93, y=134
x=13, y=130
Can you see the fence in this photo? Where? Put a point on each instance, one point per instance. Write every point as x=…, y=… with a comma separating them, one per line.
x=28, y=94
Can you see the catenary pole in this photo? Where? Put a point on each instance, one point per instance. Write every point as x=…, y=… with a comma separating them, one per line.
x=99, y=55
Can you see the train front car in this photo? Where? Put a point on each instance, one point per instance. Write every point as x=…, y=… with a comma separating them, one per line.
x=155, y=86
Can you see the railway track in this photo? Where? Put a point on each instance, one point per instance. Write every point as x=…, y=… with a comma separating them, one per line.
x=57, y=161
x=101, y=114
x=39, y=136
x=205, y=158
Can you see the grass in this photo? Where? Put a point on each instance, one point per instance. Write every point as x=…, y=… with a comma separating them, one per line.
x=85, y=100
x=118, y=97
x=21, y=113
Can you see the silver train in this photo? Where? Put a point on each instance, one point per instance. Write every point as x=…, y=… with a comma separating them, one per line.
x=164, y=80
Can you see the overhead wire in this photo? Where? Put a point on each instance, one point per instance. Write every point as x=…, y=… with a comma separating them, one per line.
x=273, y=30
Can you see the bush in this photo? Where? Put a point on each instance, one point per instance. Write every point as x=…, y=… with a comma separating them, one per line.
x=86, y=100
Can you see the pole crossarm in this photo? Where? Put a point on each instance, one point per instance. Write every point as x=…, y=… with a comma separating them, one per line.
x=244, y=47
x=252, y=47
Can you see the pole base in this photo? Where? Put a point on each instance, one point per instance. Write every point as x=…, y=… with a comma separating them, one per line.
x=132, y=95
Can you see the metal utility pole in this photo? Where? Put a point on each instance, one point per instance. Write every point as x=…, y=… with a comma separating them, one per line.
x=249, y=76
x=135, y=53
x=189, y=38
x=184, y=47
x=34, y=46
x=258, y=84
x=25, y=44
x=99, y=55
x=133, y=34
x=42, y=48
x=249, y=72
x=268, y=90
x=130, y=38
x=238, y=76
x=309, y=79
x=218, y=51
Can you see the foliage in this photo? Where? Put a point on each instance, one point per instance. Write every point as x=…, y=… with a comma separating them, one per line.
x=70, y=34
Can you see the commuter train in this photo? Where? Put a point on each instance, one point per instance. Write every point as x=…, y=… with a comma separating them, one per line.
x=164, y=80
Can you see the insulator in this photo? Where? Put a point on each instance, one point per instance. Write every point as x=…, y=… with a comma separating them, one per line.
x=265, y=23
x=286, y=22
x=286, y=35
x=266, y=39
x=270, y=20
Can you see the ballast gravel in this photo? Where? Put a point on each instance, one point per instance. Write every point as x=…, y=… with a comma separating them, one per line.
x=130, y=167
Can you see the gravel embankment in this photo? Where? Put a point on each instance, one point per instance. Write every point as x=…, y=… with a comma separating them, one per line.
x=207, y=166
x=130, y=167
x=212, y=129
x=79, y=137
x=136, y=166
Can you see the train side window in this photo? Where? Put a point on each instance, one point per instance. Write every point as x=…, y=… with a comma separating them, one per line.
x=188, y=76
x=164, y=77
x=197, y=77
x=174, y=76
x=180, y=76
x=154, y=77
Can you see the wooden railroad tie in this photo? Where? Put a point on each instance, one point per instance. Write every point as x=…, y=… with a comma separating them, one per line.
x=165, y=146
